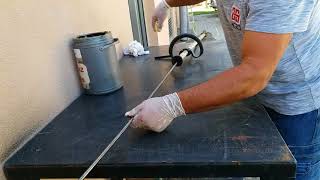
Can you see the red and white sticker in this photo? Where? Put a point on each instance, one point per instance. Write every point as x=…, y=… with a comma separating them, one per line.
x=84, y=76
x=83, y=71
x=235, y=15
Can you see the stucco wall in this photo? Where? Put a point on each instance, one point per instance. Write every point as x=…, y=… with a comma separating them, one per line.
x=37, y=71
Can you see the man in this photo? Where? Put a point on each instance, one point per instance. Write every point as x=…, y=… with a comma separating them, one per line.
x=275, y=47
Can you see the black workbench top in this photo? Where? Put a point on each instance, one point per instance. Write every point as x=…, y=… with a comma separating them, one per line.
x=237, y=140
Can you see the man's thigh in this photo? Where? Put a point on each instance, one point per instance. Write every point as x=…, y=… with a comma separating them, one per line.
x=302, y=135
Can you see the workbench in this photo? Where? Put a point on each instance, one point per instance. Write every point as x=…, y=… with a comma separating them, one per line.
x=238, y=140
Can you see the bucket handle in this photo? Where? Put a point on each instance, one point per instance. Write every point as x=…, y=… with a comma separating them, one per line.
x=115, y=41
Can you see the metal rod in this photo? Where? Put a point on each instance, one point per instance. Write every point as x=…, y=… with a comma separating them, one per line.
x=183, y=55
x=164, y=79
x=85, y=174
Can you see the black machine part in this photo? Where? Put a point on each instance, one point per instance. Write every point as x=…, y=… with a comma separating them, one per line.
x=178, y=59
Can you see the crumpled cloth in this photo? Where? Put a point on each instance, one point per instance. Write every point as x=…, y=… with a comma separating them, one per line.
x=135, y=49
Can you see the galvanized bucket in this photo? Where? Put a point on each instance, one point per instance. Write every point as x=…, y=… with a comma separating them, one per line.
x=97, y=63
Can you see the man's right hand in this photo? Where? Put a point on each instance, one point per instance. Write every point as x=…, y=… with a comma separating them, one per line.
x=160, y=15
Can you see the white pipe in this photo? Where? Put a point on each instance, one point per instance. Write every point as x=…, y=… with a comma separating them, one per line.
x=193, y=45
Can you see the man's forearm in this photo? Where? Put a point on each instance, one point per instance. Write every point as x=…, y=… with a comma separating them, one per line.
x=228, y=87
x=177, y=3
x=259, y=62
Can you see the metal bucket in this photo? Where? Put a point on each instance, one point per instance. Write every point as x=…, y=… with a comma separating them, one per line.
x=97, y=63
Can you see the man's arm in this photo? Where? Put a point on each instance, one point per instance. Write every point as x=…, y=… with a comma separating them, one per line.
x=260, y=55
x=176, y=3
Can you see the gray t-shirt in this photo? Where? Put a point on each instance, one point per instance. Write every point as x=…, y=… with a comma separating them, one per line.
x=295, y=85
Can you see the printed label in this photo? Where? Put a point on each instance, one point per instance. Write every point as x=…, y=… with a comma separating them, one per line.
x=84, y=76
x=235, y=15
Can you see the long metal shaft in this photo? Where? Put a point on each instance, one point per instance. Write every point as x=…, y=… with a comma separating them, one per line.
x=183, y=55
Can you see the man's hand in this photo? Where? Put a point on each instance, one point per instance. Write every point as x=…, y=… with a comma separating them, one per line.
x=162, y=11
x=160, y=15
x=156, y=114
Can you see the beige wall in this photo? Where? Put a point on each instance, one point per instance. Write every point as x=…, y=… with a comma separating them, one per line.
x=37, y=71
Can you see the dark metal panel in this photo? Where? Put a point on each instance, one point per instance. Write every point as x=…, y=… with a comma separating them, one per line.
x=236, y=140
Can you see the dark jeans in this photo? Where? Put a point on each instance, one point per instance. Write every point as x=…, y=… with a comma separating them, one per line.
x=302, y=135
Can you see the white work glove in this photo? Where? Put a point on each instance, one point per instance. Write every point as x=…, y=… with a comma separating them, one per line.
x=156, y=114
x=160, y=15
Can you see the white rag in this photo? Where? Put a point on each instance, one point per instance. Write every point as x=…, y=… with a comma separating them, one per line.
x=135, y=49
